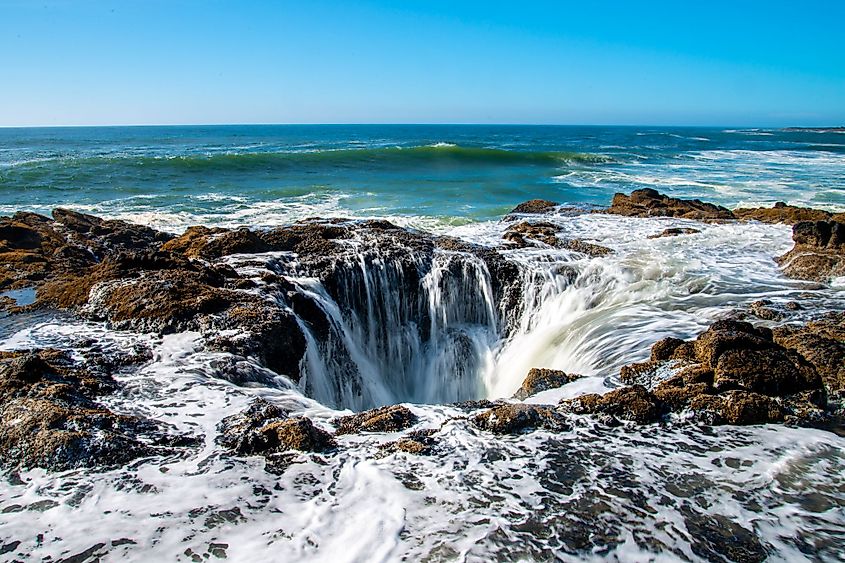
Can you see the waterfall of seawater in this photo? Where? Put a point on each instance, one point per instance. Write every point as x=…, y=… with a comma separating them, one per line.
x=402, y=329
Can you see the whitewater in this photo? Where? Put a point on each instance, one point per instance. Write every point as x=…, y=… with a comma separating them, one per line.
x=593, y=492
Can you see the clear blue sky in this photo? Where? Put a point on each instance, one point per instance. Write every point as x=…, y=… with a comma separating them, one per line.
x=76, y=62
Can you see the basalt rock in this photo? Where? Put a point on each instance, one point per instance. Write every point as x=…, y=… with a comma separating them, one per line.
x=782, y=213
x=50, y=417
x=634, y=403
x=385, y=419
x=822, y=344
x=735, y=373
x=534, y=206
x=542, y=379
x=541, y=234
x=265, y=429
x=517, y=418
x=818, y=253
x=647, y=202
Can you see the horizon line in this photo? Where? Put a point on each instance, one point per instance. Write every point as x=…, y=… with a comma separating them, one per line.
x=413, y=124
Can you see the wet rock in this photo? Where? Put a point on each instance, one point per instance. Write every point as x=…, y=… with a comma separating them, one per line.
x=675, y=231
x=535, y=206
x=737, y=407
x=542, y=379
x=418, y=442
x=104, y=237
x=634, y=403
x=822, y=344
x=525, y=234
x=385, y=419
x=765, y=309
x=207, y=243
x=49, y=417
x=818, y=253
x=266, y=429
x=663, y=349
x=735, y=373
x=647, y=202
x=517, y=418
x=782, y=213
x=588, y=248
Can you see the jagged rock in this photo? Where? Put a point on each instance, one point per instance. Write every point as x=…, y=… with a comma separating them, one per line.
x=266, y=429
x=535, y=206
x=735, y=373
x=765, y=309
x=822, y=344
x=525, y=234
x=737, y=407
x=782, y=213
x=675, y=231
x=385, y=419
x=818, y=253
x=647, y=202
x=517, y=418
x=588, y=248
x=49, y=417
x=633, y=403
x=542, y=379
x=206, y=243
x=418, y=442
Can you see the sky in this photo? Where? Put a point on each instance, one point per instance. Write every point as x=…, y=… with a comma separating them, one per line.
x=746, y=63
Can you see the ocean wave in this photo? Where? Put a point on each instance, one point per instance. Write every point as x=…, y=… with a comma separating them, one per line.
x=438, y=153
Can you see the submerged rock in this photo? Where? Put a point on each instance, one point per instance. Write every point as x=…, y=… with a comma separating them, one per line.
x=542, y=379
x=49, y=417
x=818, y=253
x=385, y=419
x=647, y=202
x=675, y=231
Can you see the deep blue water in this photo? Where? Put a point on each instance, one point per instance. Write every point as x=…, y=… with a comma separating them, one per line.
x=434, y=175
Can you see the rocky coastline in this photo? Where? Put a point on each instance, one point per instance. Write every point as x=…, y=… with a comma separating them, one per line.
x=132, y=277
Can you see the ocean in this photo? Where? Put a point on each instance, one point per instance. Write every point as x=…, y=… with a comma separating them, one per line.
x=433, y=177
x=676, y=491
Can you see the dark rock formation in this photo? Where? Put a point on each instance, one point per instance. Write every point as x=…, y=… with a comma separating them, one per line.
x=736, y=373
x=265, y=429
x=675, y=231
x=782, y=213
x=634, y=403
x=417, y=442
x=385, y=419
x=49, y=417
x=535, y=206
x=542, y=379
x=822, y=344
x=517, y=418
x=526, y=234
x=650, y=203
x=819, y=251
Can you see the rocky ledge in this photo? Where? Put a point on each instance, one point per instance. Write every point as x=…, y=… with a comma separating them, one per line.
x=134, y=277
x=819, y=251
x=50, y=416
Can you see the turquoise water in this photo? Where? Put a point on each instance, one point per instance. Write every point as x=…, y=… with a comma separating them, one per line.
x=435, y=176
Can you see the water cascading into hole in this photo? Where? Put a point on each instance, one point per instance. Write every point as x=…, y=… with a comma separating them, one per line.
x=401, y=329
